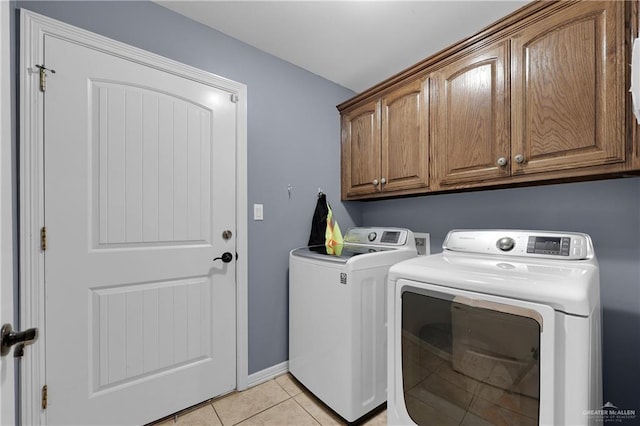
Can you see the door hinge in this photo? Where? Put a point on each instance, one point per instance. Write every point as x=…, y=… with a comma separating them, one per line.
x=234, y=98
x=43, y=238
x=43, y=76
x=44, y=397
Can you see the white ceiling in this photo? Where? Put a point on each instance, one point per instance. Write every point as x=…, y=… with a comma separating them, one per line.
x=356, y=44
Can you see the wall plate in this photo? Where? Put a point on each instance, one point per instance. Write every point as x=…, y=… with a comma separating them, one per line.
x=423, y=243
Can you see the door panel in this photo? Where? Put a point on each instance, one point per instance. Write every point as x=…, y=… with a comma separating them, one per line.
x=471, y=113
x=405, y=137
x=152, y=182
x=132, y=340
x=361, y=150
x=568, y=89
x=139, y=185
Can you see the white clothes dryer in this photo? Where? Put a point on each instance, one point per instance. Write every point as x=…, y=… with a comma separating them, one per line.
x=337, y=317
x=502, y=327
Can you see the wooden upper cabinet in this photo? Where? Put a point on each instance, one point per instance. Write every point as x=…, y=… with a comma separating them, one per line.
x=405, y=136
x=361, y=150
x=541, y=95
x=470, y=113
x=385, y=143
x=568, y=105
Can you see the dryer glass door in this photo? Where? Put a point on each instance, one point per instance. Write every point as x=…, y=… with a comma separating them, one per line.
x=469, y=361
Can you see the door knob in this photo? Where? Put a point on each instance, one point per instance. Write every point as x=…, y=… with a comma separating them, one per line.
x=226, y=257
x=8, y=338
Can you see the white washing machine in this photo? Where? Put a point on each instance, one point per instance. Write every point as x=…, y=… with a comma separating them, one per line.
x=502, y=327
x=337, y=317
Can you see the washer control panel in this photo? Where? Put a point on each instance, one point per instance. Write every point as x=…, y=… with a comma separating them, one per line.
x=547, y=244
x=379, y=236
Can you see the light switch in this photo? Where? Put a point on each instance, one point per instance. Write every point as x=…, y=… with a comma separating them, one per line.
x=258, y=212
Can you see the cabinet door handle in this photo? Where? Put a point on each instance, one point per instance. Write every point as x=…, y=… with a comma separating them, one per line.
x=519, y=158
x=383, y=181
x=502, y=161
x=375, y=182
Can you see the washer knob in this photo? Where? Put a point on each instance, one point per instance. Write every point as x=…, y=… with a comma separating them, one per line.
x=505, y=244
x=372, y=236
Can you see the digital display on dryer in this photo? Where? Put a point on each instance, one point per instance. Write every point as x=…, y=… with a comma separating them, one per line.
x=546, y=244
x=558, y=246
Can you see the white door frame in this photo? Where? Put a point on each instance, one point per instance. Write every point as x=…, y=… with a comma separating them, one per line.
x=7, y=364
x=33, y=29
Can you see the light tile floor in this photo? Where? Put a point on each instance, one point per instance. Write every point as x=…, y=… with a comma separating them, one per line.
x=279, y=402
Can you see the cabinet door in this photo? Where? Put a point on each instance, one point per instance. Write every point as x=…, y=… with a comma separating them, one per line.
x=470, y=127
x=568, y=89
x=405, y=137
x=361, y=150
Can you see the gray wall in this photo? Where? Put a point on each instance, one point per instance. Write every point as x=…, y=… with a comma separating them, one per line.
x=609, y=211
x=293, y=138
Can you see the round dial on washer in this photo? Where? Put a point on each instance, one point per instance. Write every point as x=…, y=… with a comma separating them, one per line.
x=372, y=236
x=505, y=243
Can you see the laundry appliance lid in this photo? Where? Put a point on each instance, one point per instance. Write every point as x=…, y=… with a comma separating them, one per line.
x=341, y=253
x=367, y=240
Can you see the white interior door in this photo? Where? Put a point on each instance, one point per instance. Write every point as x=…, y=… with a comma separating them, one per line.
x=7, y=393
x=139, y=185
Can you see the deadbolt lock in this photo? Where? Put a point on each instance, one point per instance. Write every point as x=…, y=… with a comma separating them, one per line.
x=226, y=235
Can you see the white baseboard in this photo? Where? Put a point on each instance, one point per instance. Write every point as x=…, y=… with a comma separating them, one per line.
x=267, y=374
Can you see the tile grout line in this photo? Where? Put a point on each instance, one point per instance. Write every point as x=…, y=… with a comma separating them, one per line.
x=293, y=397
x=260, y=412
x=216, y=412
x=296, y=401
x=307, y=411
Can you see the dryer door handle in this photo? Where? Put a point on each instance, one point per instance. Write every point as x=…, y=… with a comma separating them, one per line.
x=500, y=307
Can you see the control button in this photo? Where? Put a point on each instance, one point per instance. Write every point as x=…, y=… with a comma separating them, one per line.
x=372, y=236
x=531, y=244
x=565, y=246
x=505, y=243
x=577, y=242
